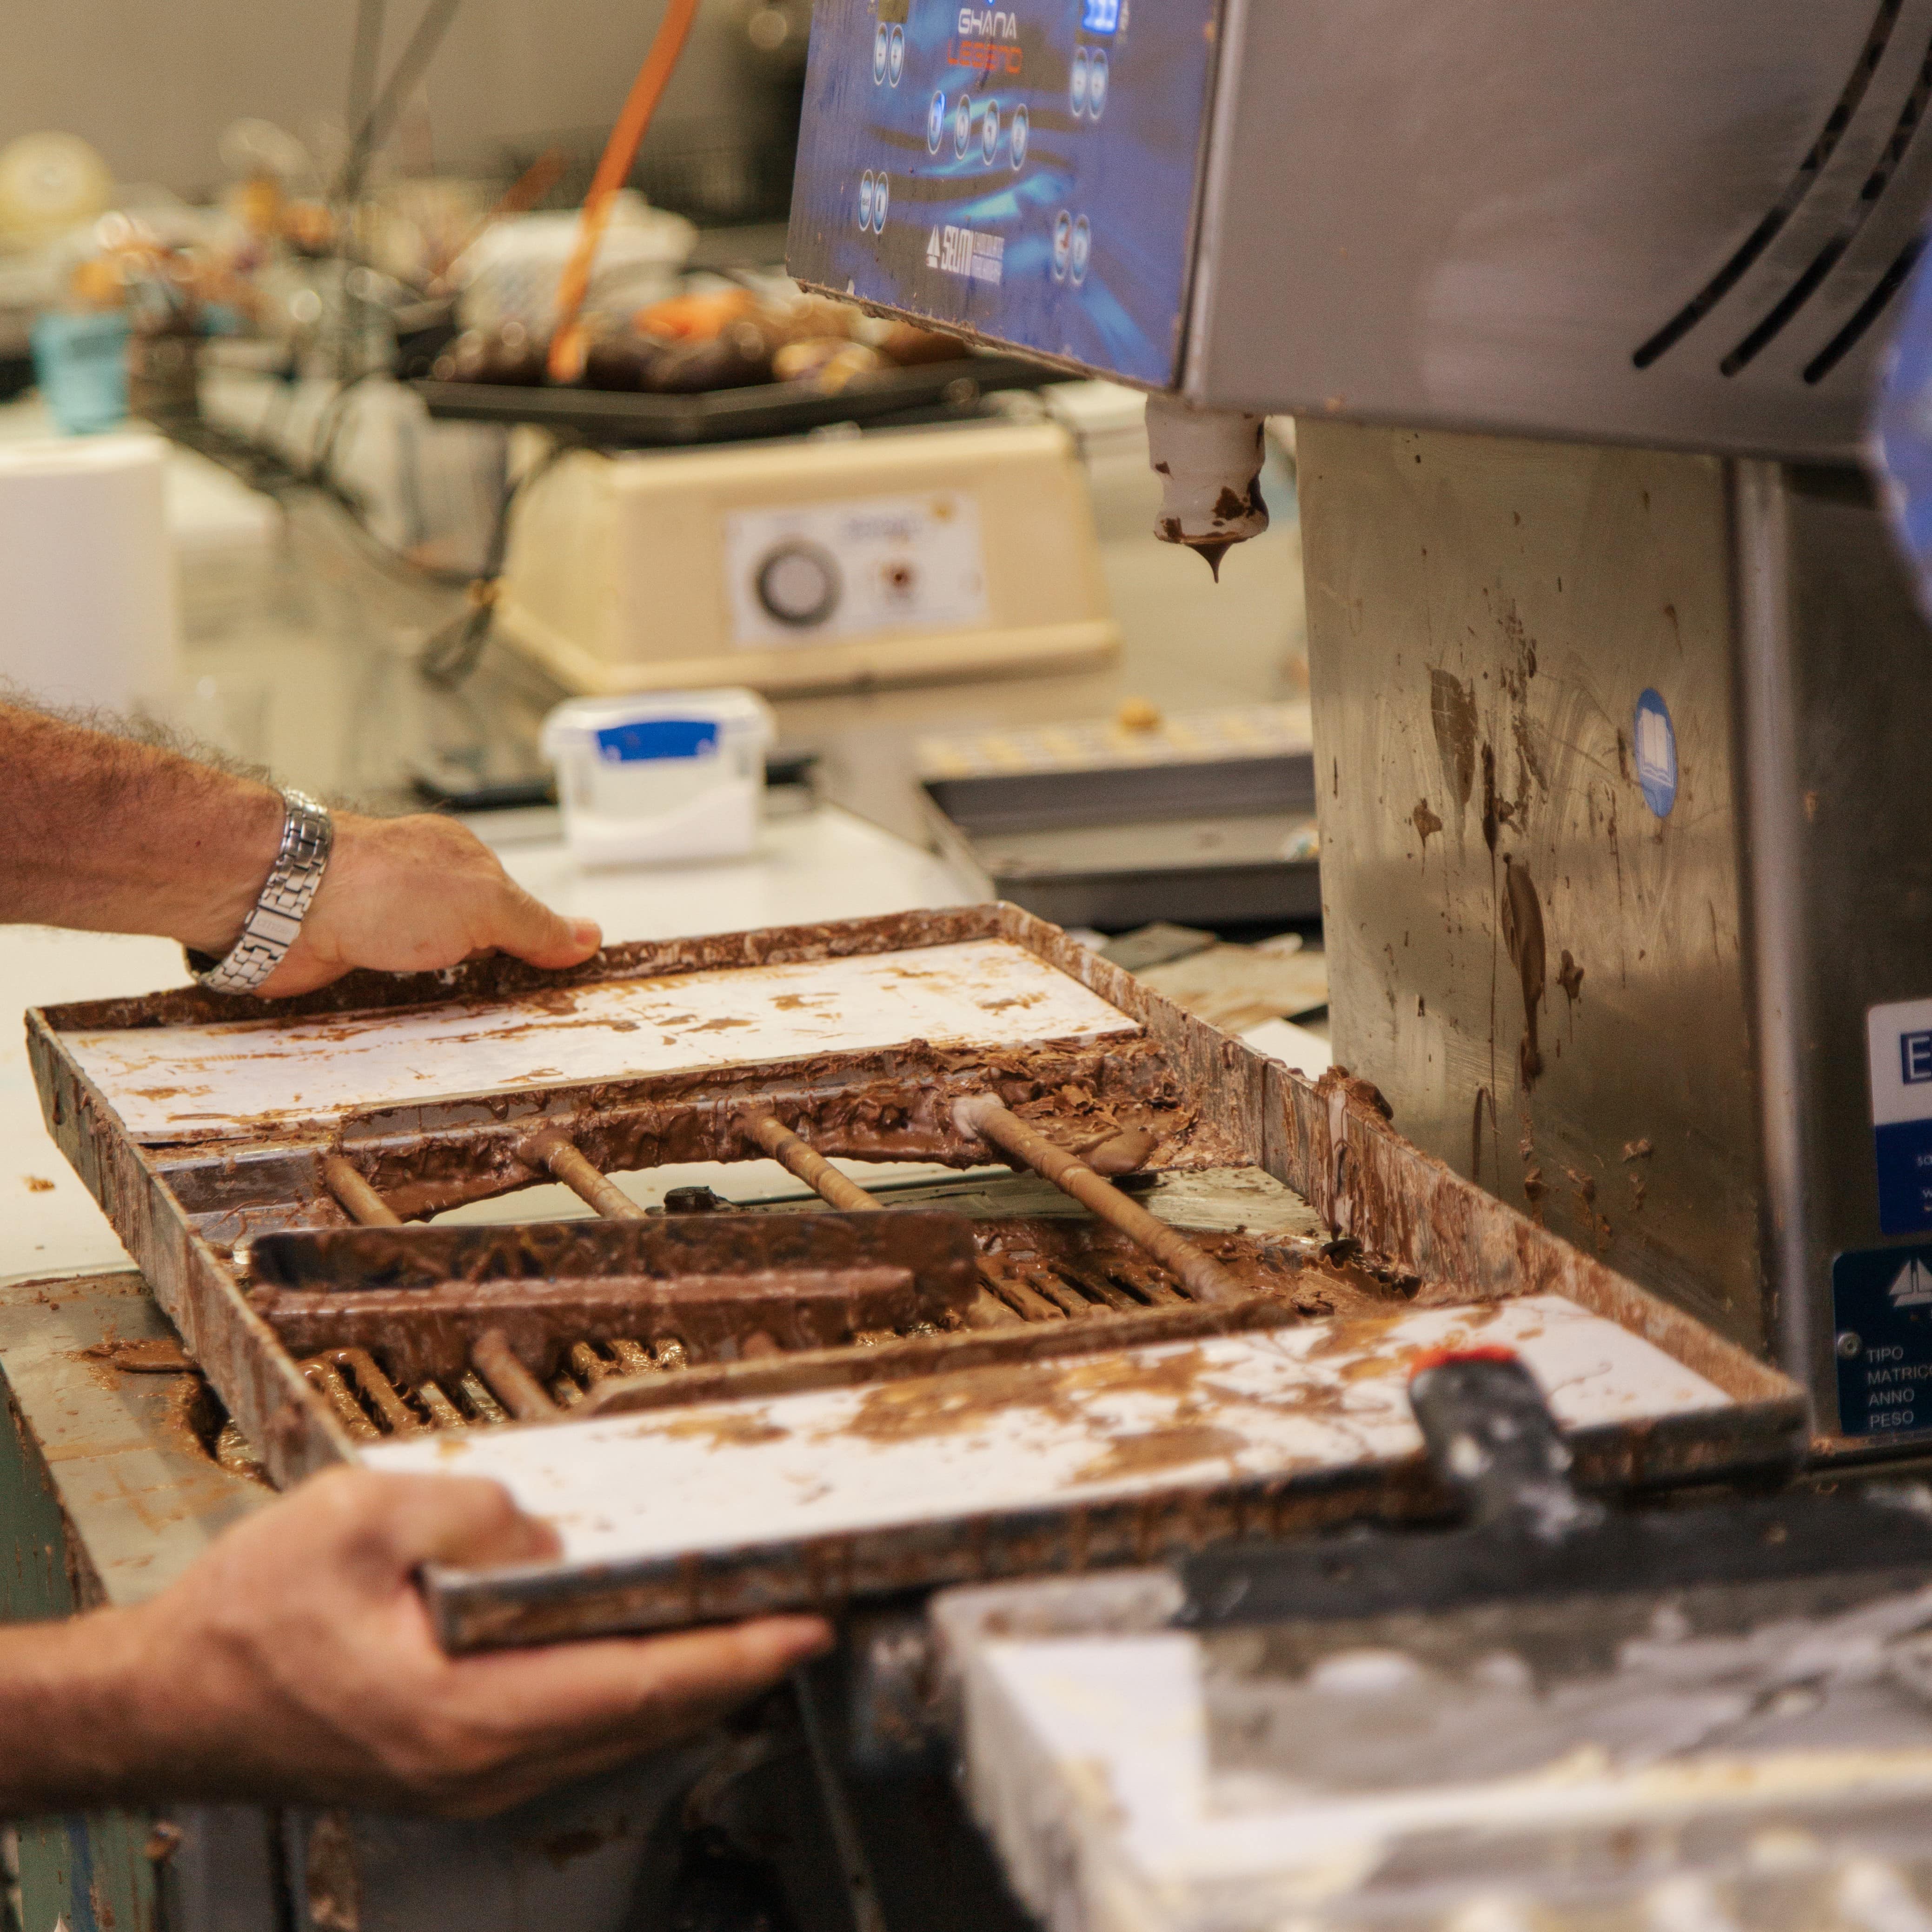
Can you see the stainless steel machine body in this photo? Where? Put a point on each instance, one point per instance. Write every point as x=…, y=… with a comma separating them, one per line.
x=1614, y=672
x=1651, y=1030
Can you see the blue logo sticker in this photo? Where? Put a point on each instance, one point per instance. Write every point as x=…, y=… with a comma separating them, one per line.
x=657, y=738
x=1882, y=1319
x=1656, y=742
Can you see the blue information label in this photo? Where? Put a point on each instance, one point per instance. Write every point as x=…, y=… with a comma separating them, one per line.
x=657, y=738
x=1882, y=1313
x=1898, y=1041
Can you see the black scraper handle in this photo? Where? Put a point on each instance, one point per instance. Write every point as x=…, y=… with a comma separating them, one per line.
x=1493, y=1441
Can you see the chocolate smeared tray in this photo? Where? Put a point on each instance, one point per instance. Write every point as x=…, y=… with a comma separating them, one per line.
x=1185, y=1314
x=628, y=418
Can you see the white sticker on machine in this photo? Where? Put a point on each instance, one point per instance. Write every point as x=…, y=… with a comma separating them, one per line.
x=811, y=574
x=1898, y=1041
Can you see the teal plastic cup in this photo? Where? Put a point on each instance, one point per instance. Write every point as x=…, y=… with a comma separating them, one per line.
x=80, y=362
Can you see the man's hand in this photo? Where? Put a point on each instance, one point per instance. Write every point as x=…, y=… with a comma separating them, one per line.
x=294, y=1663
x=106, y=835
x=412, y=895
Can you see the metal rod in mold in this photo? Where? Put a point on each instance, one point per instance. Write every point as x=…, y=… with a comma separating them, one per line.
x=985, y=1116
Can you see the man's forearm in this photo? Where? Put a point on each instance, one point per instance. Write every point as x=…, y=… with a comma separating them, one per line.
x=74, y=1731
x=110, y=835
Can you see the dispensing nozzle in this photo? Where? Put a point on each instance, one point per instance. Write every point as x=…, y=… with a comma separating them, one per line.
x=1210, y=464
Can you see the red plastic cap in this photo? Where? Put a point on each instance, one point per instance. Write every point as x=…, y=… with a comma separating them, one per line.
x=1436, y=1358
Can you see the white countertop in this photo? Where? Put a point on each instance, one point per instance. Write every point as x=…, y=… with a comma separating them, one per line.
x=821, y=865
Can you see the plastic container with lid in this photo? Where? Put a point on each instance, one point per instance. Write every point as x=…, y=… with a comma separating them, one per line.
x=662, y=777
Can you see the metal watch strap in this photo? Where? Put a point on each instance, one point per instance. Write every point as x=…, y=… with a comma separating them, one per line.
x=270, y=929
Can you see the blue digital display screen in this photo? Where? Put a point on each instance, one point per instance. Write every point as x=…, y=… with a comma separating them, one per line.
x=1025, y=173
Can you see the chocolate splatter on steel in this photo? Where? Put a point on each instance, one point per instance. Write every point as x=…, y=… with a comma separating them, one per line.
x=1570, y=977
x=1523, y=936
x=1452, y=711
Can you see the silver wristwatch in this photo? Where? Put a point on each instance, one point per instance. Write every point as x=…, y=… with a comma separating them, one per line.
x=270, y=930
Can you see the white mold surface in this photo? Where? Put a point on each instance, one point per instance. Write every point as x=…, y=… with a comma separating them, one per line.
x=226, y=1081
x=1302, y=1400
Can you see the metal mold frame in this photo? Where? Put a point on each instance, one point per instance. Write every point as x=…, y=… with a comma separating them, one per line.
x=1331, y=1142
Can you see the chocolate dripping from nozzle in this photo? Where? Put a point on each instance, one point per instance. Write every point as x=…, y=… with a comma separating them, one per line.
x=1210, y=463
x=1213, y=550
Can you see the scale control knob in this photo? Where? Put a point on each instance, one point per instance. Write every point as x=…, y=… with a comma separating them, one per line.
x=799, y=584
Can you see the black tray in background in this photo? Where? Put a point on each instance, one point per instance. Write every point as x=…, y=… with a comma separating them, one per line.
x=1198, y=844
x=628, y=418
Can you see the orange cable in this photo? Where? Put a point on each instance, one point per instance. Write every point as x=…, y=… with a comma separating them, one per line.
x=566, y=345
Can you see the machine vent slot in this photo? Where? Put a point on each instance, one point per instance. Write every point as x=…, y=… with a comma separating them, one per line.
x=1867, y=313
x=1761, y=237
x=1800, y=292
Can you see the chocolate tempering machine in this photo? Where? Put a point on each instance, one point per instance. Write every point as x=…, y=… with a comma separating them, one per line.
x=1576, y=316
x=1615, y=675
x=1626, y=860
